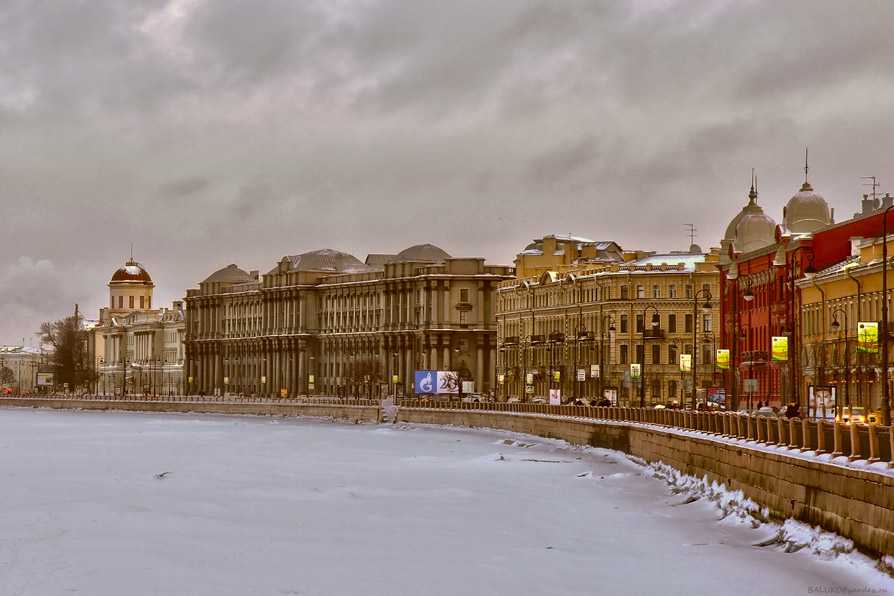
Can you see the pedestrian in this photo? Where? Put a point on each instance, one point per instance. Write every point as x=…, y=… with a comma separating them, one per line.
x=760, y=405
x=792, y=411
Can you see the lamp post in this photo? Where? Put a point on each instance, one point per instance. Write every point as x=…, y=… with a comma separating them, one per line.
x=750, y=352
x=886, y=392
x=678, y=349
x=836, y=326
x=102, y=363
x=706, y=307
x=792, y=329
x=602, y=367
x=581, y=336
x=656, y=320
x=556, y=339
x=713, y=360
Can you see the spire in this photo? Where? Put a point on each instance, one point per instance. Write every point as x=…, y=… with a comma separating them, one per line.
x=752, y=196
x=806, y=186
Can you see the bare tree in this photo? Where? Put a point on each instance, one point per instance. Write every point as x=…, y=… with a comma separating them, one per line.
x=69, y=355
x=368, y=373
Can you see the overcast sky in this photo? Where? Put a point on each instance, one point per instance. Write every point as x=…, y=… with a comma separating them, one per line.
x=234, y=131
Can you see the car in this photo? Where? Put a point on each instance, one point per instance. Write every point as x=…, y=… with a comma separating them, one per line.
x=473, y=398
x=860, y=416
x=513, y=400
x=765, y=411
x=538, y=400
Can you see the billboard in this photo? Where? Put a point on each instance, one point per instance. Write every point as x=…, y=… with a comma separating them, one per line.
x=867, y=337
x=45, y=379
x=780, y=348
x=685, y=362
x=722, y=359
x=435, y=382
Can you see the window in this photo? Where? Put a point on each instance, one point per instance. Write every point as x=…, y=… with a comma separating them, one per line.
x=672, y=291
x=464, y=295
x=672, y=354
x=671, y=323
x=464, y=318
x=624, y=322
x=640, y=291
x=130, y=301
x=625, y=292
x=120, y=301
x=623, y=355
x=656, y=354
x=672, y=388
x=688, y=291
x=655, y=388
x=656, y=291
x=706, y=321
x=142, y=302
x=639, y=324
x=687, y=324
x=706, y=354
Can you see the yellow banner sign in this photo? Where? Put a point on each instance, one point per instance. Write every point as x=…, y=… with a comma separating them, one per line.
x=780, y=347
x=867, y=337
x=722, y=359
x=685, y=362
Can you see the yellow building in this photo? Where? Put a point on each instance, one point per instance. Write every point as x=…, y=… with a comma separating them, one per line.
x=612, y=329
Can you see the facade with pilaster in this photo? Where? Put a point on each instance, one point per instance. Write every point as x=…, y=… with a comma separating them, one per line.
x=325, y=323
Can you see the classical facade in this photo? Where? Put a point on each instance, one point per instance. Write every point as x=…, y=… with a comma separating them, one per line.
x=613, y=329
x=18, y=368
x=326, y=323
x=783, y=285
x=135, y=348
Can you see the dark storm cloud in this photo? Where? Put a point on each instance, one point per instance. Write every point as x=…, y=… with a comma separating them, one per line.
x=209, y=132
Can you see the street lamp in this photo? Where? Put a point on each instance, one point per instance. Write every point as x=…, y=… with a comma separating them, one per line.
x=712, y=359
x=556, y=338
x=706, y=307
x=602, y=367
x=743, y=336
x=656, y=320
x=781, y=260
x=581, y=335
x=836, y=326
x=886, y=392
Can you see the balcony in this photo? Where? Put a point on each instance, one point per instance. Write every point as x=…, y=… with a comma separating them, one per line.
x=653, y=334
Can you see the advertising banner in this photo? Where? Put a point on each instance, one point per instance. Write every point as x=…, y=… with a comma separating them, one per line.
x=635, y=370
x=435, y=382
x=555, y=397
x=594, y=371
x=685, y=362
x=867, y=337
x=780, y=348
x=722, y=359
x=44, y=379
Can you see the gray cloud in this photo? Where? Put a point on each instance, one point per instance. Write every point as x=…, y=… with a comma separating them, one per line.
x=206, y=133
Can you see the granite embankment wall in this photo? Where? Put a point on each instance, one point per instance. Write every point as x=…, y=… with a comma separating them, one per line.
x=856, y=502
x=852, y=502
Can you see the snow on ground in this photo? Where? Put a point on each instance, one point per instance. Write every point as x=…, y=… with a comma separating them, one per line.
x=111, y=503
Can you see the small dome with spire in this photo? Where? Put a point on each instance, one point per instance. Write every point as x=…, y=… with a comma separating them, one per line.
x=807, y=211
x=754, y=229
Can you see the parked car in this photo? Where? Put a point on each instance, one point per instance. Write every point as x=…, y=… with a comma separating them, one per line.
x=513, y=400
x=538, y=400
x=765, y=411
x=860, y=416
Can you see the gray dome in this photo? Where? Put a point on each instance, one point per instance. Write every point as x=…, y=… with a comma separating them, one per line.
x=326, y=260
x=806, y=212
x=755, y=229
x=229, y=274
x=422, y=252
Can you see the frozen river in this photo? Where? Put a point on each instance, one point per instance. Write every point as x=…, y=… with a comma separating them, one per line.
x=114, y=503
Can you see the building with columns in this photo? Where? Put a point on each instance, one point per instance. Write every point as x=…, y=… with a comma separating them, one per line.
x=326, y=323
x=613, y=327
x=135, y=348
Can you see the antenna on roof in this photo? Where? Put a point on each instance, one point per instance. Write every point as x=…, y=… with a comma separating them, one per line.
x=873, y=184
x=691, y=232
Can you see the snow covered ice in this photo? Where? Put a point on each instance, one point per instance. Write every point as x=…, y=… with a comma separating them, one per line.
x=112, y=503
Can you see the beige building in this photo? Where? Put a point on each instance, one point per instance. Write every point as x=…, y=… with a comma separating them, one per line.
x=135, y=348
x=579, y=331
x=18, y=368
x=326, y=323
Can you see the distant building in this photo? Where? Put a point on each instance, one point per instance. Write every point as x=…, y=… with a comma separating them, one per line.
x=135, y=348
x=18, y=368
x=325, y=323
x=562, y=253
x=580, y=329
